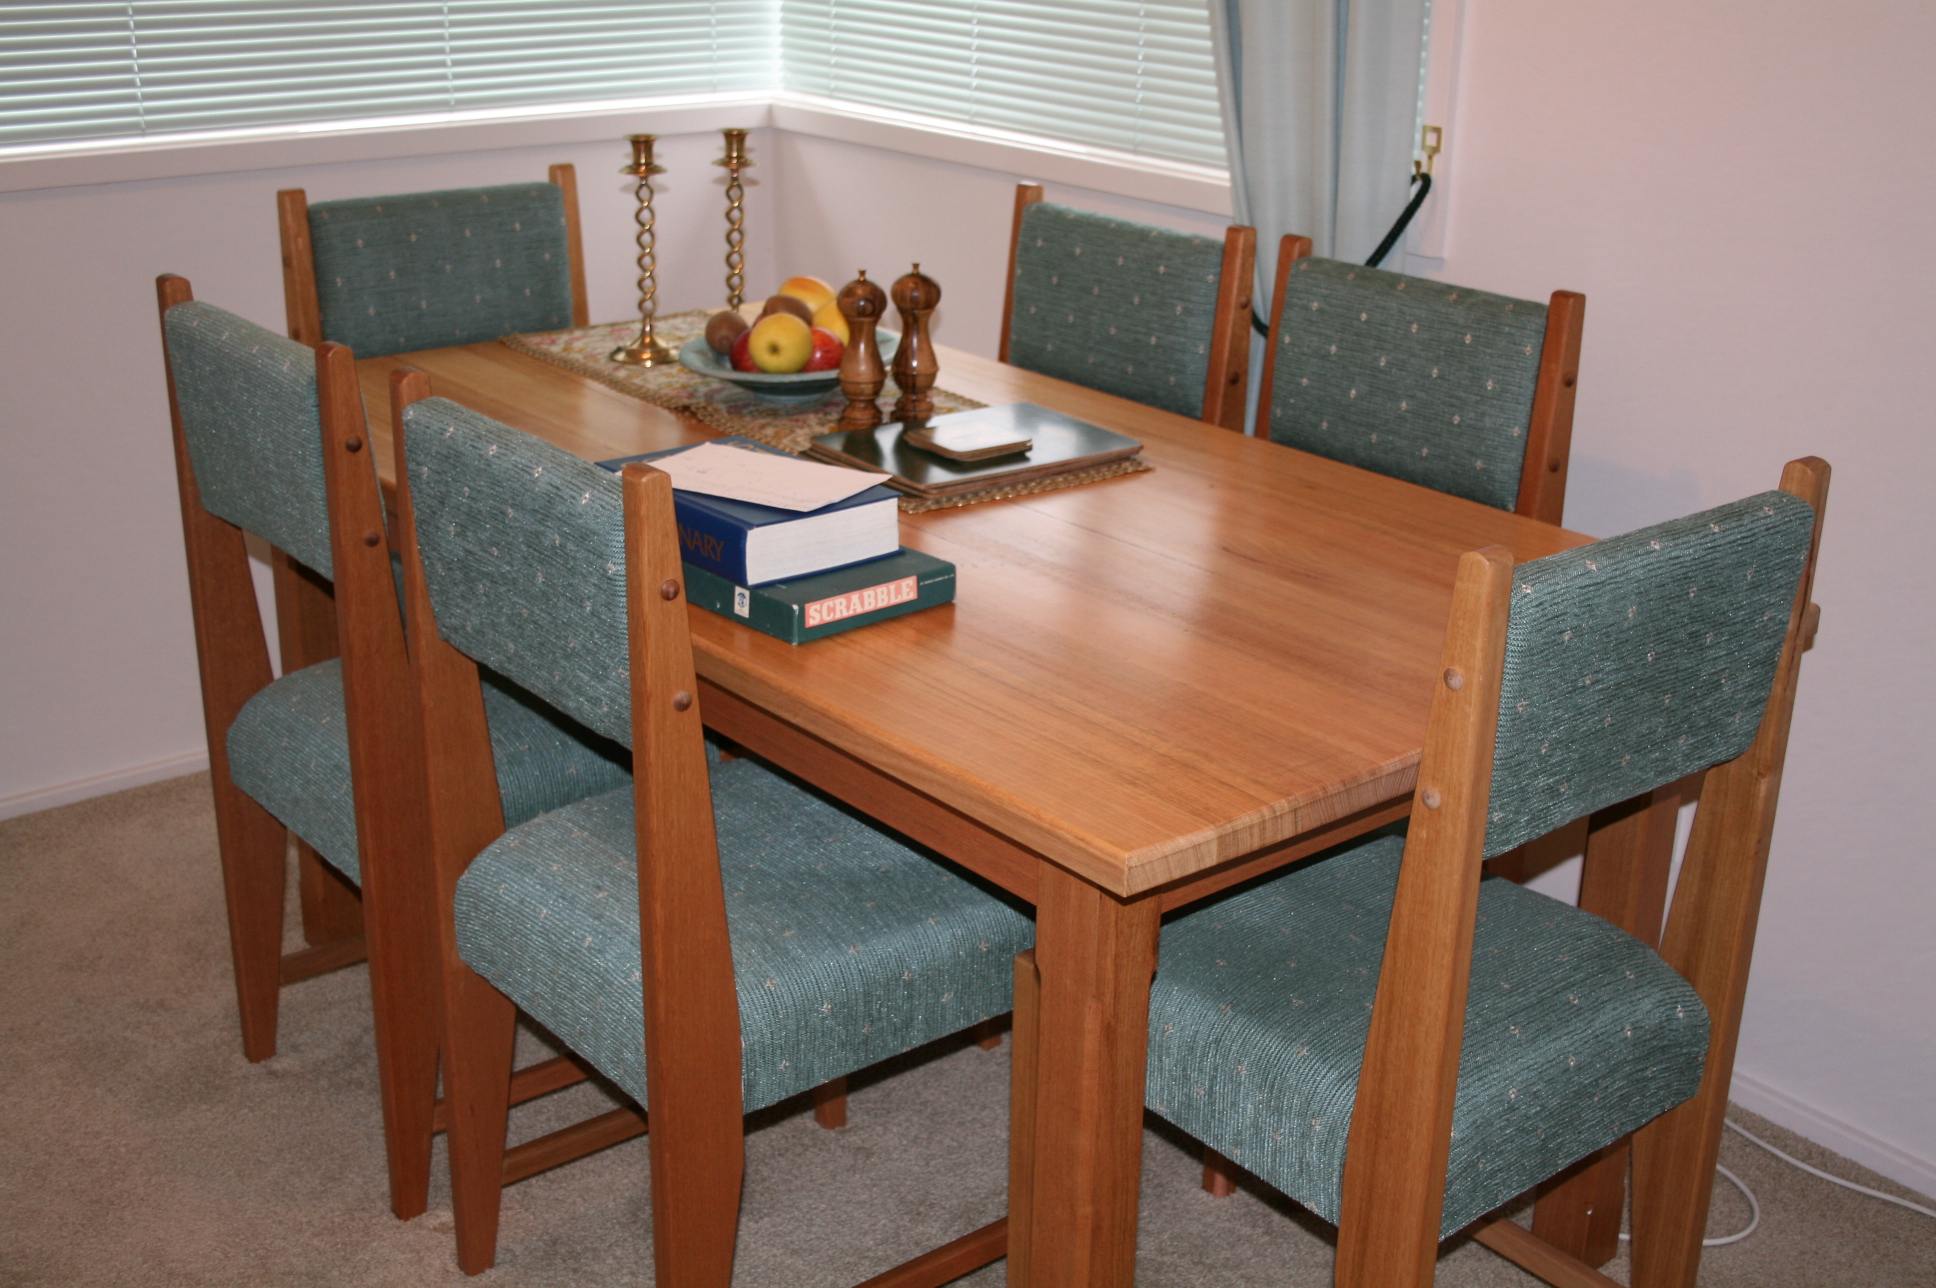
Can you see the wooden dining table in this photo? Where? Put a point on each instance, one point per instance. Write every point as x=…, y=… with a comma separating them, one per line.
x=1147, y=689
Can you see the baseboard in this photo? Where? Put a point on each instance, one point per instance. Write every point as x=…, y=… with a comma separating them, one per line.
x=1850, y=1142
x=81, y=789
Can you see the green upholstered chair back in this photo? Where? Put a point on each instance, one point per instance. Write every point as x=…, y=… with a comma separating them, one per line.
x=1641, y=659
x=430, y=269
x=524, y=553
x=1114, y=305
x=249, y=413
x=1410, y=377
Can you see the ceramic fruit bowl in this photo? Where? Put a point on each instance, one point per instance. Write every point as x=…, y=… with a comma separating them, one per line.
x=798, y=387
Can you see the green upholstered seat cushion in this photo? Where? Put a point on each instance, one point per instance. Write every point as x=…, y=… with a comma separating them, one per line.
x=250, y=417
x=1575, y=1033
x=1115, y=305
x=428, y=269
x=1417, y=379
x=849, y=945
x=289, y=750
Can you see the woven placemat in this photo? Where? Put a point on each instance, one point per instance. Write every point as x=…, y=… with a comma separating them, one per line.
x=791, y=427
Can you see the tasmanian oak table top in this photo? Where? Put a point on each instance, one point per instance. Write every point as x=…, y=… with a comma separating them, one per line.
x=1139, y=679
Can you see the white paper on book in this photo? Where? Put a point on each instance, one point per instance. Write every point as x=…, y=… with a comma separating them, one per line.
x=764, y=478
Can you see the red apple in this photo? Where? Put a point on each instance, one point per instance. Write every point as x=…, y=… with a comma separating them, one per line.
x=827, y=351
x=742, y=354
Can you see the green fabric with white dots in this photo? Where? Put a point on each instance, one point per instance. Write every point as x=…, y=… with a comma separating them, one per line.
x=849, y=945
x=289, y=749
x=524, y=549
x=1575, y=1032
x=1641, y=659
x=424, y=270
x=1114, y=305
x=253, y=427
x=1414, y=378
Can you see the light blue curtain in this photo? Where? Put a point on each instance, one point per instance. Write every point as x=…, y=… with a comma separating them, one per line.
x=1320, y=103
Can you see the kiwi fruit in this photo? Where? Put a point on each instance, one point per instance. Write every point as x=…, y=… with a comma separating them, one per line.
x=788, y=304
x=724, y=327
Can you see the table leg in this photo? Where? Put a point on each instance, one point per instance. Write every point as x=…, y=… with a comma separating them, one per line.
x=1096, y=954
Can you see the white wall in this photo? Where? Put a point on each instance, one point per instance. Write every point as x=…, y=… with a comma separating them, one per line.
x=1740, y=189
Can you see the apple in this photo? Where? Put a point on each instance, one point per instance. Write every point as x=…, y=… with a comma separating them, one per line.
x=828, y=315
x=827, y=351
x=724, y=328
x=788, y=304
x=811, y=290
x=780, y=344
x=742, y=353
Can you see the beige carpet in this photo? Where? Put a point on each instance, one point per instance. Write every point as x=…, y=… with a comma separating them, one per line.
x=138, y=1147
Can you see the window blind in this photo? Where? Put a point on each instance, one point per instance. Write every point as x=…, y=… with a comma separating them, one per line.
x=1135, y=77
x=95, y=70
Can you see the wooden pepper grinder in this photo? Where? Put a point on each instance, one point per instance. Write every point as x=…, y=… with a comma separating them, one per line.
x=862, y=303
x=915, y=295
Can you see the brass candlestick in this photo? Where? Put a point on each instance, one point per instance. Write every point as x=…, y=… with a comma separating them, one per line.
x=735, y=161
x=915, y=294
x=644, y=351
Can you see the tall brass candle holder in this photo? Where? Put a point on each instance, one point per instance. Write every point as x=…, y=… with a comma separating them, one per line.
x=644, y=351
x=735, y=161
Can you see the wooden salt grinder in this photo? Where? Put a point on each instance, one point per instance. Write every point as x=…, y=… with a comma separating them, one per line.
x=915, y=295
x=861, y=302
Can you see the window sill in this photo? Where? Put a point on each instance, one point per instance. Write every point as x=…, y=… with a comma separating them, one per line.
x=1176, y=183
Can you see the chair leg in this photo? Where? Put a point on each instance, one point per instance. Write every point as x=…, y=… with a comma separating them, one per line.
x=332, y=908
x=480, y=1032
x=255, y=849
x=1219, y=1174
x=1673, y=1182
x=1021, y=1116
x=830, y=1103
x=1579, y=1211
x=404, y=970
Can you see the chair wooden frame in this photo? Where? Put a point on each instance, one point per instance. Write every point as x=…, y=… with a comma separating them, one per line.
x=1400, y=1136
x=389, y=921
x=1228, y=383
x=299, y=298
x=1549, y=434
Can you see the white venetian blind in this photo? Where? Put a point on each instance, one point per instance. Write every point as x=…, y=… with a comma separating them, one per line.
x=1135, y=77
x=92, y=70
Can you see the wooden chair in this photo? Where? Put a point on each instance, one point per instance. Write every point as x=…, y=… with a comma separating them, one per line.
x=1461, y=390
x=426, y=270
x=1403, y=1048
x=1131, y=309
x=270, y=438
x=834, y=944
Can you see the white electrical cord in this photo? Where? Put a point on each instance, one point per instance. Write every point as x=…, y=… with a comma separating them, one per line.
x=1754, y=1206
x=1754, y=1217
x=1833, y=1180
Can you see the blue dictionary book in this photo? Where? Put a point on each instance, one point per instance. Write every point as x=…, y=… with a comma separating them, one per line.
x=752, y=545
